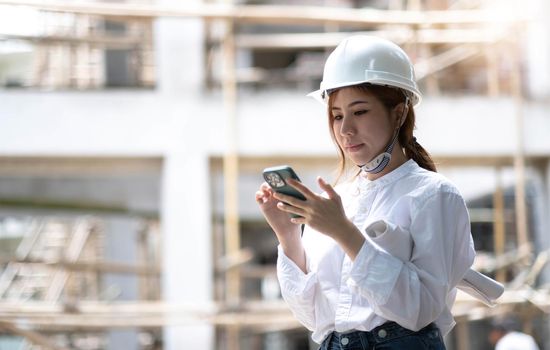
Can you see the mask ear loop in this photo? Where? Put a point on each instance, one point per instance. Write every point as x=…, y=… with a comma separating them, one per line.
x=378, y=163
x=405, y=111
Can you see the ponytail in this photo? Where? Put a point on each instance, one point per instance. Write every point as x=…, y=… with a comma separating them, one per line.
x=412, y=148
x=414, y=151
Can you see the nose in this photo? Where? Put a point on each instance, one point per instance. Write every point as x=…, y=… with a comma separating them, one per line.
x=347, y=127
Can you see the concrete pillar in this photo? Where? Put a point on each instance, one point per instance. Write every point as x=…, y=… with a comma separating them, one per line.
x=179, y=52
x=187, y=266
x=185, y=208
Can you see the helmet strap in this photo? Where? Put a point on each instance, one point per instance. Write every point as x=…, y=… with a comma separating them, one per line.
x=379, y=163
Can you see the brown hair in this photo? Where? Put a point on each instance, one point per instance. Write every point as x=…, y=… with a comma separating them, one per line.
x=390, y=97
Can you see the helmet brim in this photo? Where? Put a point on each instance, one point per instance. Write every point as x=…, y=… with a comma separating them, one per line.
x=321, y=96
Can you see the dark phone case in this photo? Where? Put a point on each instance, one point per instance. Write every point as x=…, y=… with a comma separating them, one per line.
x=284, y=172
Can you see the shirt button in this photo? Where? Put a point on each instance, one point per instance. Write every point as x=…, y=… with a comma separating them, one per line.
x=382, y=333
x=344, y=341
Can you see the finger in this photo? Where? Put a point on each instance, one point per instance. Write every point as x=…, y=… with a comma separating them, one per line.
x=289, y=199
x=264, y=193
x=327, y=188
x=267, y=193
x=290, y=209
x=301, y=188
x=266, y=189
x=298, y=221
x=260, y=197
x=265, y=186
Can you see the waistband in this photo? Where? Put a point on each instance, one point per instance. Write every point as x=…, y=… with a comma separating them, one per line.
x=386, y=332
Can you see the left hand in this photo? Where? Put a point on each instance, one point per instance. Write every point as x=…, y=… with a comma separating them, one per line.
x=325, y=215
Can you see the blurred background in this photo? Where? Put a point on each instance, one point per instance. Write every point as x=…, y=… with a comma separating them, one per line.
x=133, y=135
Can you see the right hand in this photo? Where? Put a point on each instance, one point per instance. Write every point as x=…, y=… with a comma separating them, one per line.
x=276, y=218
x=287, y=232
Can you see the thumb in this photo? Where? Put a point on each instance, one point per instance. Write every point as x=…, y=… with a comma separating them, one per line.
x=327, y=188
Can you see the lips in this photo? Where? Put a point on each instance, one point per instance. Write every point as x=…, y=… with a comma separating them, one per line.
x=354, y=147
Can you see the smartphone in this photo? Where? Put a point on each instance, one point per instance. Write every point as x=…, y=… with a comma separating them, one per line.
x=276, y=178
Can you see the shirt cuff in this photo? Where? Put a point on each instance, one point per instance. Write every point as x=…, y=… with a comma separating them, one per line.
x=374, y=272
x=292, y=279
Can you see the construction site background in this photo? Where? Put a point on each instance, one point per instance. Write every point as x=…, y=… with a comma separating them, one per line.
x=130, y=152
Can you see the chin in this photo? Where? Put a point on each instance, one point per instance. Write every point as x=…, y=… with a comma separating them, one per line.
x=359, y=161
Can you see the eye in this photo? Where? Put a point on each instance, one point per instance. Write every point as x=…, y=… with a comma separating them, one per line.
x=337, y=117
x=360, y=112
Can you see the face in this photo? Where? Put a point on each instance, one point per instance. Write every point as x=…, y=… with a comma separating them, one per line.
x=361, y=124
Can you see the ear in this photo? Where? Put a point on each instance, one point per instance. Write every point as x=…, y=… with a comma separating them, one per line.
x=401, y=111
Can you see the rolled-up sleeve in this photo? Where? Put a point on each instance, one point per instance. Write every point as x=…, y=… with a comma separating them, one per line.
x=414, y=293
x=297, y=289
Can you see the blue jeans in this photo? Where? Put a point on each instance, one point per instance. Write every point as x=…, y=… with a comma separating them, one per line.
x=389, y=336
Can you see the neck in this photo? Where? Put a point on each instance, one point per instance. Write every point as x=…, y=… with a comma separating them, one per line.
x=398, y=158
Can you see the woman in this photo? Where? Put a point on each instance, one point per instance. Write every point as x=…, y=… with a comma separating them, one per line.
x=381, y=255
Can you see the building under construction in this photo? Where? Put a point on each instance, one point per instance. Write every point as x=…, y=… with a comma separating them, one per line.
x=130, y=152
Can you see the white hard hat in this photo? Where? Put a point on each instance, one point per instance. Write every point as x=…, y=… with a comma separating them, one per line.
x=363, y=59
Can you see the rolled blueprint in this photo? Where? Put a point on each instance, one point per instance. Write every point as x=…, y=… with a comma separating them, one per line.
x=398, y=242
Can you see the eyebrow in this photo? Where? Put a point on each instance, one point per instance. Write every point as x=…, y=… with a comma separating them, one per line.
x=353, y=104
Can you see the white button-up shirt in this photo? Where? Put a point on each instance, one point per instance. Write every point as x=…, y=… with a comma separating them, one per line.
x=417, y=248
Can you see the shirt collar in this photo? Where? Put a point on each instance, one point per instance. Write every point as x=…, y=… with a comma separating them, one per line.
x=396, y=174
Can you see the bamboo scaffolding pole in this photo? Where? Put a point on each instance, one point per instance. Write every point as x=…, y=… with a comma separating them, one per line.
x=289, y=41
x=144, y=282
x=255, y=163
x=22, y=252
x=499, y=228
x=98, y=40
x=278, y=14
x=94, y=266
x=491, y=56
x=37, y=310
x=432, y=83
x=231, y=164
x=234, y=321
x=14, y=309
x=444, y=60
x=46, y=204
x=35, y=166
x=79, y=235
x=519, y=156
x=33, y=336
x=150, y=314
x=402, y=35
x=463, y=333
x=231, y=177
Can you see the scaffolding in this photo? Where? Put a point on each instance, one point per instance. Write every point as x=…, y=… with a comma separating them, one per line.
x=455, y=37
